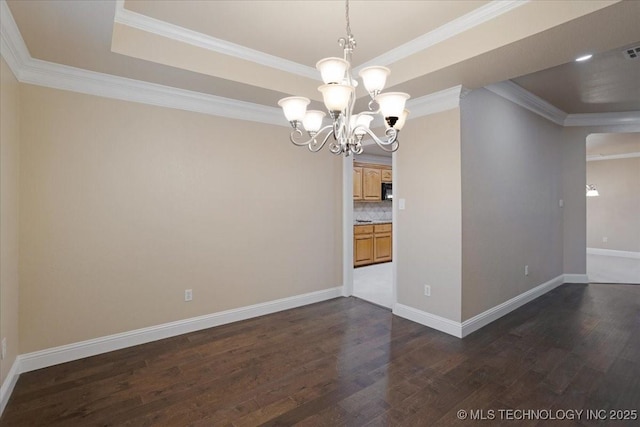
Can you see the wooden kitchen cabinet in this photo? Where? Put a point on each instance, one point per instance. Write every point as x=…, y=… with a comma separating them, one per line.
x=357, y=183
x=363, y=245
x=367, y=181
x=371, y=184
x=382, y=243
x=371, y=244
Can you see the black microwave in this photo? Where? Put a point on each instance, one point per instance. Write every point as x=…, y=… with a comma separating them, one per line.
x=387, y=191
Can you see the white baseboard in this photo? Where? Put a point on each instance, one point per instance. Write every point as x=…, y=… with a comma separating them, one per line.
x=9, y=383
x=576, y=278
x=441, y=324
x=66, y=353
x=486, y=317
x=612, y=252
x=462, y=329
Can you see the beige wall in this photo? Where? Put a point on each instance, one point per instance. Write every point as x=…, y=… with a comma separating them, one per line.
x=124, y=206
x=511, y=187
x=573, y=188
x=614, y=214
x=429, y=229
x=9, y=171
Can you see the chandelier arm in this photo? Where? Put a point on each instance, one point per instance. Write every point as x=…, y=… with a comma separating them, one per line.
x=336, y=148
x=297, y=133
x=314, y=146
x=389, y=145
x=356, y=147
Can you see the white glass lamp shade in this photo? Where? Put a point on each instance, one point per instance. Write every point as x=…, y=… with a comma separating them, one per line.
x=294, y=107
x=592, y=191
x=403, y=118
x=361, y=120
x=312, y=121
x=374, y=78
x=392, y=103
x=336, y=96
x=332, y=70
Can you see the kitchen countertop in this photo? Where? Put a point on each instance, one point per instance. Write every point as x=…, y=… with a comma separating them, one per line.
x=375, y=221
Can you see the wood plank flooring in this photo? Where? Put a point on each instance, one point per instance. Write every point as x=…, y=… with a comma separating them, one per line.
x=346, y=362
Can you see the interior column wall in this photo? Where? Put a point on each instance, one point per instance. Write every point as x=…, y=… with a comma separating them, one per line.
x=429, y=231
x=511, y=188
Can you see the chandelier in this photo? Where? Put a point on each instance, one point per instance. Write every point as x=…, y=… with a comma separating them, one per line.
x=592, y=191
x=339, y=96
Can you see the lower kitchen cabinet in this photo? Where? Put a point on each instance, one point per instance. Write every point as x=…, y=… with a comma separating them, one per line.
x=362, y=245
x=371, y=244
x=382, y=243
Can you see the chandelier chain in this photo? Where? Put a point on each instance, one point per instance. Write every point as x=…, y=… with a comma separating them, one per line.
x=346, y=13
x=348, y=43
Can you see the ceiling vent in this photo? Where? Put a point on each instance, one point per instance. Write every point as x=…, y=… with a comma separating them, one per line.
x=632, y=52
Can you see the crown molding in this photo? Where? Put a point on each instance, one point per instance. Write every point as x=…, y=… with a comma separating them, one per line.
x=164, y=29
x=12, y=46
x=43, y=73
x=450, y=29
x=516, y=94
x=603, y=119
x=436, y=102
x=597, y=157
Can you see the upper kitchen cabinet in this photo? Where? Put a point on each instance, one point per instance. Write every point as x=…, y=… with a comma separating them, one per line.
x=367, y=181
x=357, y=183
x=371, y=184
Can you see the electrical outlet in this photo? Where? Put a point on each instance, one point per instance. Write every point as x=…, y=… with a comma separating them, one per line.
x=4, y=348
x=605, y=239
x=188, y=294
x=427, y=290
x=526, y=270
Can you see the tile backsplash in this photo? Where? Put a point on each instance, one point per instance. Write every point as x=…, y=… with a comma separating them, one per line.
x=374, y=211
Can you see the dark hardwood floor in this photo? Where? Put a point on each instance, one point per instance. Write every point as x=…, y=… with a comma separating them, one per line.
x=348, y=362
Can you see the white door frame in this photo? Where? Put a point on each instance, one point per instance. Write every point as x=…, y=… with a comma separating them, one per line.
x=347, y=228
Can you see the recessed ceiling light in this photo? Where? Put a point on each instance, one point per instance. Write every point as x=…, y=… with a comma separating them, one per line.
x=583, y=58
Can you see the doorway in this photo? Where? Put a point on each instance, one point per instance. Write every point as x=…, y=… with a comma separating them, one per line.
x=373, y=223
x=613, y=208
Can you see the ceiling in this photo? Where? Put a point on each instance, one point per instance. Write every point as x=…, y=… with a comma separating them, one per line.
x=608, y=82
x=261, y=51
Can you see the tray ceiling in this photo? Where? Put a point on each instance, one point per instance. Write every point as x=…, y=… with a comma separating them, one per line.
x=260, y=51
